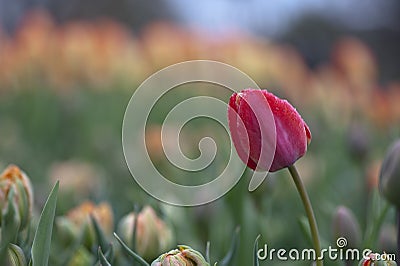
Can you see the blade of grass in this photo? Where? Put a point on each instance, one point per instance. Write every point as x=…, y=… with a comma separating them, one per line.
x=110, y=253
x=102, y=258
x=129, y=252
x=305, y=229
x=10, y=226
x=100, y=236
x=42, y=239
x=255, y=252
x=23, y=202
x=136, y=210
x=208, y=253
x=229, y=257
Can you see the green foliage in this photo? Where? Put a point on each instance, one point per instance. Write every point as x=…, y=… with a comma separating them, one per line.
x=85, y=125
x=229, y=258
x=16, y=255
x=102, y=258
x=10, y=226
x=130, y=253
x=255, y=252
x=42, y=241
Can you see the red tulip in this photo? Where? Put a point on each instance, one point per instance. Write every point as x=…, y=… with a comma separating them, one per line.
x=255, y=113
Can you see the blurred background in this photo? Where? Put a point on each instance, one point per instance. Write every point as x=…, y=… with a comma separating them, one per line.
x=68, y=69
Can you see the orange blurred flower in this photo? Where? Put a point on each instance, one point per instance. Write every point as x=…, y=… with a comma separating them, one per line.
x=14, y=178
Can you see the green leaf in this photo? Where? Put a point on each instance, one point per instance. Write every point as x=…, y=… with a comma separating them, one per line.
x=255, y=251
x=208, y=253
x=81, y=256
x=11, y=221
x=102, y=258
x=229, y=257
x=136, y=210
x=10, y=225
x=110, y=253
x=23, y=203
x=100, y=236
x=16, y=255
x=42, y=239
x=305, y=229
x=129, y=252
x=25, y=240
x=376, y=226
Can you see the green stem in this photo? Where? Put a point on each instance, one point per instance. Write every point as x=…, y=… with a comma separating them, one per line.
x=309, y=211
x=376, y=226
x=398, y=231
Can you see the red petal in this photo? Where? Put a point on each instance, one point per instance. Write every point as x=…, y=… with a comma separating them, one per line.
x=290, y=129
x=238, y=131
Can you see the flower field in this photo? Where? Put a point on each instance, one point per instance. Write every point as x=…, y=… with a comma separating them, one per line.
x=63, y=94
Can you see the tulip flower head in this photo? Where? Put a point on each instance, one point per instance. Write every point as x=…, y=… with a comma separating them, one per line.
x=346, y=225
x=258, y=120
x=153, y=235
x=389, y=180
x=77, y=223
x=183, y=256
x=371, y=260
x=14, y=178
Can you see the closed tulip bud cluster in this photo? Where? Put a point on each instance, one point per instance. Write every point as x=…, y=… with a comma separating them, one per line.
x=371, y=261
x=345, y=225
x=153, y=235
x=13, y=178
x=389, y=180
x=183, y=256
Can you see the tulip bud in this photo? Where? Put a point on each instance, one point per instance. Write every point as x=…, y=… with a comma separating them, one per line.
x=372, y=174
x=345, y=225
x=389, y=179
x=66, y=230
x=152, y=234
x=13, y=177
x=387, y=239
x=254, y=109
x=358, y=141
x=77, y=222
x=372, y=261
x=183, y=256
x=81, y=256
